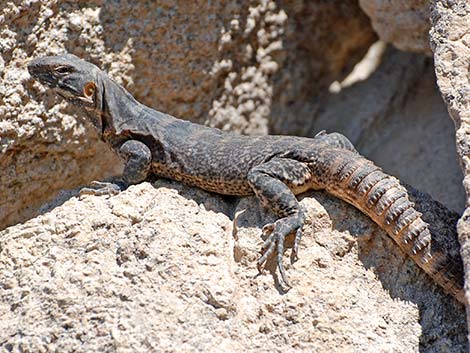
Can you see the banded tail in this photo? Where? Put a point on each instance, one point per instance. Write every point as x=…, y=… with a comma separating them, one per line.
x=352, y=178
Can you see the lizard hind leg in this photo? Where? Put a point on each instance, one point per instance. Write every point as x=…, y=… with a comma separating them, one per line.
x=102, y=188
x=272, y=183
x=335, y=139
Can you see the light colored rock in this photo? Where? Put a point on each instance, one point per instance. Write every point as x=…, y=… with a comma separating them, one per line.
x=450, y=39
x=404, y=23
x=217, y=63
x=44, y=147
x=157, y=269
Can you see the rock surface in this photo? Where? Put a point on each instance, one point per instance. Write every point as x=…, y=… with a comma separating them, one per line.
x=395, y=117
x=450, y=38
x=217, y=63
x=231, y=71
x=404, y=23
x=388, y=105
x=316, y=54
x=159, y=268
x=156, y=268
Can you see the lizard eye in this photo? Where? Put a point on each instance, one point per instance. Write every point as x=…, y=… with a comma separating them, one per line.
x=63, y=69
x=89, y=89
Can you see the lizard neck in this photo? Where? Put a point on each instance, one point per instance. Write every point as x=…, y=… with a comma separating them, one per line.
x=121, y=113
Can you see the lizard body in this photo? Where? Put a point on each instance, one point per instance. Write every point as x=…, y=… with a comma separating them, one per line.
x=275, y=168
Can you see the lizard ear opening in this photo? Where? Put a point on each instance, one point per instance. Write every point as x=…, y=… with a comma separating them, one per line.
x=89, y=89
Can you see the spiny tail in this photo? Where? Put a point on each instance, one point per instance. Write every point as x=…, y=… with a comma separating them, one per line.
x=354, y=179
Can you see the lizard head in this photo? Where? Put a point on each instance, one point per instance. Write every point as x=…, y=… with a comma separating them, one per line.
x=74, y=79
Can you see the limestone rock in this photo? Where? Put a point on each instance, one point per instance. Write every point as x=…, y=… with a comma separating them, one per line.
x=157, y=268
x=404, y=23
x=450, y=38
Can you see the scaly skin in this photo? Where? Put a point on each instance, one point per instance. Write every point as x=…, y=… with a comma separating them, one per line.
x=275, y=168
x=358, y=181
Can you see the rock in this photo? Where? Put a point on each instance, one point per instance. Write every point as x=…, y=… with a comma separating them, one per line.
x=44, y=145
x=323, y=42
x=156, y=268
x=450, y=41
x=404, y=23
x=389, y=106
x=395, y=117
x=218, y=63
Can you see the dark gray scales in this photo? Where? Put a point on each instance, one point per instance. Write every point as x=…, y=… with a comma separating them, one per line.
x=275, y=168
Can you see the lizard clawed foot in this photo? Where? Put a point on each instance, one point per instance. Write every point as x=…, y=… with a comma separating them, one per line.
x=295, y=249
x=275, y=242
x=100, y=188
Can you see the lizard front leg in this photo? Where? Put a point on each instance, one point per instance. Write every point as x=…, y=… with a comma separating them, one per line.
x=137, y=160
x=272, y=183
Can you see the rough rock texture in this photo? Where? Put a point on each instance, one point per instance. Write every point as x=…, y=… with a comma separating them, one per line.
x=392, y=117
x=158, y=269
x=390, y=107
x=404, y=23
x=43, y=147
x=315, y=55
x=450, y=37
x=215, y=62
x=153, y=269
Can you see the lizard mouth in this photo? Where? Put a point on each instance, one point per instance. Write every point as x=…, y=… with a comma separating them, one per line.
x=60, y=86
x=44, y=78
x=86, y=102
x=64, y=94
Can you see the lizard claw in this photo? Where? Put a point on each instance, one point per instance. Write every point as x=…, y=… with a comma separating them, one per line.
x=295, y=249
x=275, y=243
x=100, y=188
x=268, y=229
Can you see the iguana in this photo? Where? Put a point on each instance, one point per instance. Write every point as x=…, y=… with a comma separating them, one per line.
x=274, y=168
